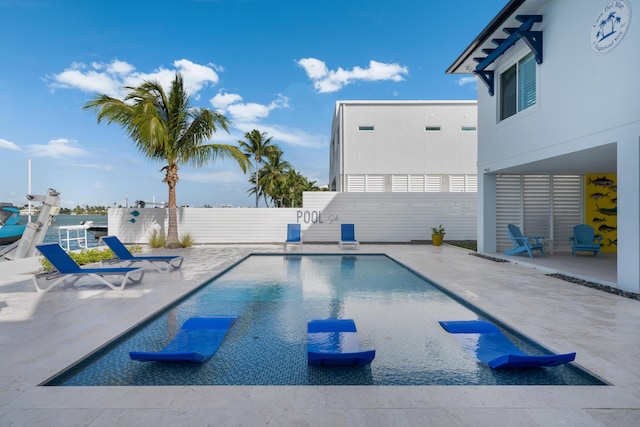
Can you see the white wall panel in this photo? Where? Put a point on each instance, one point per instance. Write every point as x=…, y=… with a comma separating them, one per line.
x=378, y=217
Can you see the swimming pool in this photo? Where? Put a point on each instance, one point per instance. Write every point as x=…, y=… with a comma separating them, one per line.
x=395, y=309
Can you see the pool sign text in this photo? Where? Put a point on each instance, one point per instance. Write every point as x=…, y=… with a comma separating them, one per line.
x=309, y=217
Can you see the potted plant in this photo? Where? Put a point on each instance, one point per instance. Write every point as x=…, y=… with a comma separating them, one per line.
x=437, y=234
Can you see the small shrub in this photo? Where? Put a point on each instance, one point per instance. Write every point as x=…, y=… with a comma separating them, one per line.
x=157, y=240
x=85, y=256
x=186, y=241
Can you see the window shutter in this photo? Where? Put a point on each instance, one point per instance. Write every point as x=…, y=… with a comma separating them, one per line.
x=508, y=93
x=527, y=82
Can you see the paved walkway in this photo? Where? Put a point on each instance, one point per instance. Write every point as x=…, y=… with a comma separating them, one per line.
x=42, y=334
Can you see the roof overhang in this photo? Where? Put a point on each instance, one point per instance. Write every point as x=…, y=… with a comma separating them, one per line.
x=491, y=39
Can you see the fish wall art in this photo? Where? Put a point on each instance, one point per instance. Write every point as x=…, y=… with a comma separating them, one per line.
x=601, y=208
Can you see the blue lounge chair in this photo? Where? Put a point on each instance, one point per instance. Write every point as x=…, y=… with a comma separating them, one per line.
x=162, y=263
x=332, y=342
x=585, y=239
x=348, y=236
x=486, y=343
x=66, y=268
x=294, y=236
x=196, y=341
x=522, y=244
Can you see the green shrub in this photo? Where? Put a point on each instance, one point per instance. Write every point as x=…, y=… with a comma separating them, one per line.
x=186, y=241
x=157, y=240
x=85, y=256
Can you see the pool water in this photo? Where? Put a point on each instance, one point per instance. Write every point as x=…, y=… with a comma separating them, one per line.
x=396, y=312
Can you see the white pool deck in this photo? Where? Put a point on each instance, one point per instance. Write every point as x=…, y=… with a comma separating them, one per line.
x=42, y=334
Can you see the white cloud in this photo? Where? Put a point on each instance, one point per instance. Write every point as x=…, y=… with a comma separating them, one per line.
x=56, y=149
x=230, y=103
x=87, y=81
x=315, y=68
x=110, y=78
x=294, y=137
x=120, y=67
x=222, y=100
x=9, y=145
x=463, y=81
x=325, y=80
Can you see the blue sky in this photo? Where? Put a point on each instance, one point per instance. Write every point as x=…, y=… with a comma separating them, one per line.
x=276, y=66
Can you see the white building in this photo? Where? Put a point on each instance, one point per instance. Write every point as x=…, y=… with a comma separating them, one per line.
x=404, y=146
x=559, y=98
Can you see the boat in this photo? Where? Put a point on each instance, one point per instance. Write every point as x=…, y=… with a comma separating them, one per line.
x=10, y=230
x=98, y=230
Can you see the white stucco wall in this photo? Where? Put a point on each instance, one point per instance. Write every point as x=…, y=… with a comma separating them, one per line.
x=399, y=143
x=584, y=99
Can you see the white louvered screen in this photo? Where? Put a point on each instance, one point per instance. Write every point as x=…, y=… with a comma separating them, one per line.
x=374, y=183
x=355, y=183
x=399, y=183
x=472, y=183
x=508, y=207
x=456, y=183
x=416, y=183
x=433, y=184
x=544, y=205
x=537, y=206
x=567, y=209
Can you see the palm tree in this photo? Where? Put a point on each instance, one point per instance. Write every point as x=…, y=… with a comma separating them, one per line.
x=272, y=175
x=257, y=145
x=294, y=184
x=167, y=129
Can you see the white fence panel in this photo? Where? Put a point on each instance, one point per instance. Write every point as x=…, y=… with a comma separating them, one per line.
x=378, y=217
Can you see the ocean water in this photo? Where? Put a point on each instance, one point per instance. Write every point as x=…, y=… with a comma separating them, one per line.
x=66, y=220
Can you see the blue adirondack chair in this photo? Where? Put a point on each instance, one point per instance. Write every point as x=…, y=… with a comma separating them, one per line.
x=585, y=239
x=522, y=244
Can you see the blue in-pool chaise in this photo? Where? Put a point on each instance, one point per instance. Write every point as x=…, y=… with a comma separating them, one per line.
x=333, y=342
x=197, y=340
x=485, y=341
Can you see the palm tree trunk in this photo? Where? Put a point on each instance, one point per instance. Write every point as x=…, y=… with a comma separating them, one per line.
x=172, y=179
x=256, y=175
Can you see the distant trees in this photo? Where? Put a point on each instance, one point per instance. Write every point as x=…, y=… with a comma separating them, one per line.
x=258, y=146
x=276, y=181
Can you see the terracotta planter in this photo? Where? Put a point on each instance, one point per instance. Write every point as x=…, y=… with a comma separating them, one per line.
x=437, y=239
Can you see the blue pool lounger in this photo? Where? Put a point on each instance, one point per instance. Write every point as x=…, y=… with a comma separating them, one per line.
x=485, y=341
x=332, y=342
x=197, y=340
